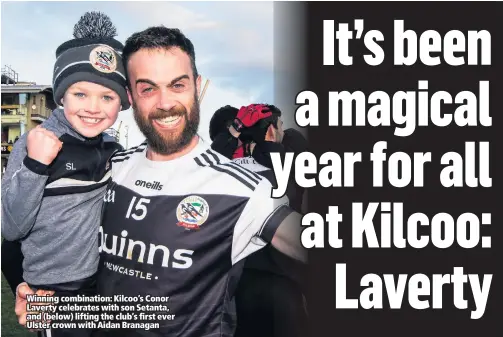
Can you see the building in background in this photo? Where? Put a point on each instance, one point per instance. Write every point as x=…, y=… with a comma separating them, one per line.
x=24, y=106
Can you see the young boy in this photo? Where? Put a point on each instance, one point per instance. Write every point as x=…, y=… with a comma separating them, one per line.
x=53, y=188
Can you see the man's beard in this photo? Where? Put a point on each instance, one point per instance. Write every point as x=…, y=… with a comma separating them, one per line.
x=168, y=145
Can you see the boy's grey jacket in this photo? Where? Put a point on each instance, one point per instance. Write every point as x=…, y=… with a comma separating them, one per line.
x=55, y=210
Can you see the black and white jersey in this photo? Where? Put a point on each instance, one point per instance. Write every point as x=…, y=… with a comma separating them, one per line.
x=180, y=228
x=270, y=259
x=252, y=165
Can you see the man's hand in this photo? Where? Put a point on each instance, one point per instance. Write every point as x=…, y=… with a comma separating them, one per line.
x=20, y=308
x=43, y=145
x=22, y=290
x=249, y=115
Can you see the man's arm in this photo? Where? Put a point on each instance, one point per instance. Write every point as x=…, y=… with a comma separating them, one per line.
x=226, y=142
x=286, y=239
x=22, y=291
x=262, y=152
x=268, y=220
x=12, y=263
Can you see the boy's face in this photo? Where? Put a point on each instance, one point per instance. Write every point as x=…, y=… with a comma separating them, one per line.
x=91, y=108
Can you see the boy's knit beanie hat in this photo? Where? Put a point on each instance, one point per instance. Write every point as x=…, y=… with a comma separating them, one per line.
x=92, y=56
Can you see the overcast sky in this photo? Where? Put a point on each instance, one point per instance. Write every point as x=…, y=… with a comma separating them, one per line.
x=233, y=42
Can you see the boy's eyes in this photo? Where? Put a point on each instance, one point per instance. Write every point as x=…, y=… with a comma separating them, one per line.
x=107, y=98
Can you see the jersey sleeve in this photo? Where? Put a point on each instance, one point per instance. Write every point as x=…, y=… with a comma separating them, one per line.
x=257, y=224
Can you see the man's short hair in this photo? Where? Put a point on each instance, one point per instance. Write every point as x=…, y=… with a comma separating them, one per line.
x=223, y=117
x=276, y=114
x=221, y=120
x=162, y=38
x=294, y=141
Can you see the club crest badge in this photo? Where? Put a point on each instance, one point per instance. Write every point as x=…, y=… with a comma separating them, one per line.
x=103, y=59
x=192, y=212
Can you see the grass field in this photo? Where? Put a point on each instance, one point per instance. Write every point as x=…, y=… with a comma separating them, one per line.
x=10, y=326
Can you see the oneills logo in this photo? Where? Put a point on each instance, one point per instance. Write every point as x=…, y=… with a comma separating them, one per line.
x=192, y=212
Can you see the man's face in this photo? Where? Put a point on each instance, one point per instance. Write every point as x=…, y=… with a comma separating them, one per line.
x=280, y=132
x=274, y=134
x=164, y=98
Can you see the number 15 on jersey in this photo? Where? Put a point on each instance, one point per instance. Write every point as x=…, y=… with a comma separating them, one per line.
x=140, y=210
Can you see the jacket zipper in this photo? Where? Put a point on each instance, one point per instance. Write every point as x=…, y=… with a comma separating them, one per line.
x=98, y=167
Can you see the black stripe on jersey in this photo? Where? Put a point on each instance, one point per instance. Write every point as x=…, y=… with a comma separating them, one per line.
x=207, y=160
x=124, y=152
x=248, y=170
x=241, y=169
x=198, y=162
x=220, y=169
x=244, y=171
x=138, y=148
x=51, y=192
x=269, y=175
x=237, y=168
x=131, y=150
x=119, y=160
x=116, y=160
x=214, y=156
x=272, y=223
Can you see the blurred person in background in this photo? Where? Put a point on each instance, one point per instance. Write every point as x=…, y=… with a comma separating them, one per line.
x=258, y=135
x=270, y=290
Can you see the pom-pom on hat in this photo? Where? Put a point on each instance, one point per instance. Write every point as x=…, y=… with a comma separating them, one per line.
x=92, y=56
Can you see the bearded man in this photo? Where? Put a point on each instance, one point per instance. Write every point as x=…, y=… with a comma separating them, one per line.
x=179, y=218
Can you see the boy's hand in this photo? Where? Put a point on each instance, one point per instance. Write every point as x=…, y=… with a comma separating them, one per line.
x=43, y=145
